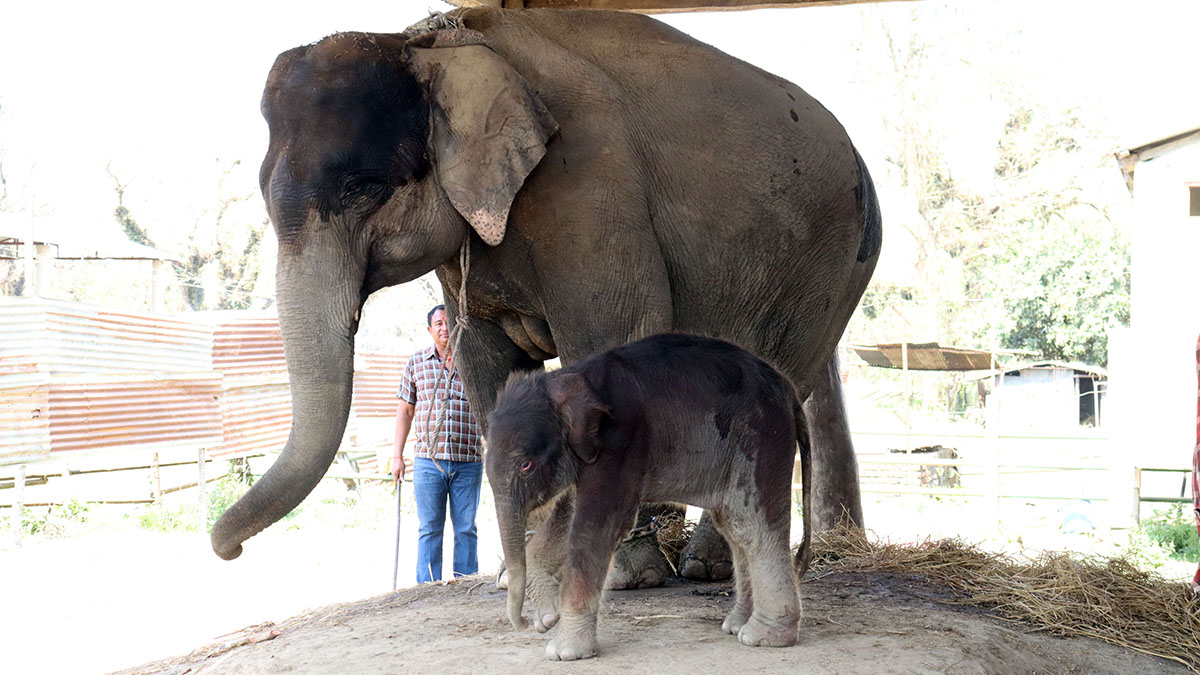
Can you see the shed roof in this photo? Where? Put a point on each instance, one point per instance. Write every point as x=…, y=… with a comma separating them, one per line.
x=928, y=356
x=1095, y=371
x=1128, y=159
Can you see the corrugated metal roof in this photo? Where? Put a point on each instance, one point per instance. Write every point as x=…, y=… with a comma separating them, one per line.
x=95, y=411
x=1095, y=371
x=925, y=356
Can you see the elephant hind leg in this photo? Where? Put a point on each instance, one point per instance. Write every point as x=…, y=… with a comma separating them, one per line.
x=639, y=562
x=743, y=605
x=764, y=564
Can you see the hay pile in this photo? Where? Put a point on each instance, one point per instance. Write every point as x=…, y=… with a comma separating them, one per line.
x=674, y=532
x=1106, y=599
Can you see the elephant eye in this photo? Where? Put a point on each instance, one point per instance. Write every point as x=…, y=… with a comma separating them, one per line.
x=353, y=188
x=527, y=466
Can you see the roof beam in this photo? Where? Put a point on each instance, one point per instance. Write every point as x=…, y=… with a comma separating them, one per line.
x=659, y=6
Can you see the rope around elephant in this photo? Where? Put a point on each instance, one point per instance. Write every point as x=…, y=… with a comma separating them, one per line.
x=461, y=324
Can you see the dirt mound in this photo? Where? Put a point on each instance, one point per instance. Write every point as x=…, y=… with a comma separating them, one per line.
x=854, y=622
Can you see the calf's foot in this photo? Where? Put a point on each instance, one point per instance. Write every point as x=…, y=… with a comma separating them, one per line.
x=576, y=639
x=759, y=632
x=736, y=619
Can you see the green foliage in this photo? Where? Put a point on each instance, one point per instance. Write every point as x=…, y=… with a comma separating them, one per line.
x=224, y=492
x=1175, y=533
x=182, y=518
x=55, y=521
x=1025, y=258
x=1144, y=552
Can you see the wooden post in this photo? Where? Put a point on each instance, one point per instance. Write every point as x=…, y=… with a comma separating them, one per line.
x=1136, y=510
x=157, y=482
x=991, y=488
x=158, y=286
x=30, y=287
x=202, y=484
x=18, y=509
x=907, y=397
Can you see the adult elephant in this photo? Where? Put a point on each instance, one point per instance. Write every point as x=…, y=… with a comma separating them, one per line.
x=598, y=176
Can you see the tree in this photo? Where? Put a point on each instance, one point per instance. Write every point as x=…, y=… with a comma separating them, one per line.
x=1026, y=258
x=223, y=257
x=129, y=226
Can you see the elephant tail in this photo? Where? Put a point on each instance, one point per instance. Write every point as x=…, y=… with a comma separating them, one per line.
x=804, y=554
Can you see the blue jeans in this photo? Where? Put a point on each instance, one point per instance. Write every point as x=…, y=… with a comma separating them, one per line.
x=460, y=486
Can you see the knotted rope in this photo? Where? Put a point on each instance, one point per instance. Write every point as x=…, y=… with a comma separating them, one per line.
x=461, y=323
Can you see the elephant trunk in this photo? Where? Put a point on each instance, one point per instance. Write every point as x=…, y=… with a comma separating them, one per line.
x=512, y=539
x=318, y=313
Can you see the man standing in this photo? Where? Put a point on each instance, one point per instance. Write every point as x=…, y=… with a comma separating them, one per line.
x=431, y=392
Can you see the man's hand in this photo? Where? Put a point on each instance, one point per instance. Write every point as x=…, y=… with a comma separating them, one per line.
x=398, y=469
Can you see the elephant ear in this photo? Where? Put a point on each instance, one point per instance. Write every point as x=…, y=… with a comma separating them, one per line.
x=581, y=412
x=487, y=130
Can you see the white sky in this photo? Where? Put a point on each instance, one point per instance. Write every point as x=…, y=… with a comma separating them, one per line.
x=169, y=97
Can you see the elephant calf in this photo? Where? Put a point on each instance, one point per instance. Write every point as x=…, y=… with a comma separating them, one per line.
x=671, y=418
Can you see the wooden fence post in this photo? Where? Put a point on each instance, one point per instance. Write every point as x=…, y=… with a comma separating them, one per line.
x=18, y=508
x=157, y=483
x=1136, y=506
x=991, y=488
x=202, y=484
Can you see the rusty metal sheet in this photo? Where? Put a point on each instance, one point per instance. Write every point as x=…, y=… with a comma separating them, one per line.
x=68, y=337
x=97, y=411
x=24, y=349
x=256, y=418
x=248, y=348
x=97, y=340
x=376, y=379
x=24, y=423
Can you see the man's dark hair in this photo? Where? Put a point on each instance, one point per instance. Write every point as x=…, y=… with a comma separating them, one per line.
x=429, y=316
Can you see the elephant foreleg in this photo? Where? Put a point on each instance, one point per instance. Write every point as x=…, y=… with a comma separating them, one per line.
x=600, y=522
x=546, y=554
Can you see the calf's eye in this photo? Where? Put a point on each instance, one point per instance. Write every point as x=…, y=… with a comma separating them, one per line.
x=525, y=467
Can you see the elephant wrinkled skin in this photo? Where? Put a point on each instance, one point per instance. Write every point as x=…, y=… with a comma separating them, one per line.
x=610, y=177
x=671, y=418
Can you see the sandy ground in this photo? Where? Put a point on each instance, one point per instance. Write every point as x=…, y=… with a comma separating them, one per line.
x=853, y=623
x=105, y=601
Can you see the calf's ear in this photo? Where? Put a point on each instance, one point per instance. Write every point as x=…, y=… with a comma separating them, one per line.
x=582, y=413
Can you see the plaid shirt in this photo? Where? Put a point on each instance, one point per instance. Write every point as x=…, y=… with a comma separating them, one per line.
x=424, y=386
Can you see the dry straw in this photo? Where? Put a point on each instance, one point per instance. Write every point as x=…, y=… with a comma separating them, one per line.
x=1105, y=599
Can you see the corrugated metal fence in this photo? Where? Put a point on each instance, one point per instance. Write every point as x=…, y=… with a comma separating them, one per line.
x=77, y=378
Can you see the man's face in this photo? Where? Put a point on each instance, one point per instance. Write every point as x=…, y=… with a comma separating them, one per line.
x=439, y=331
